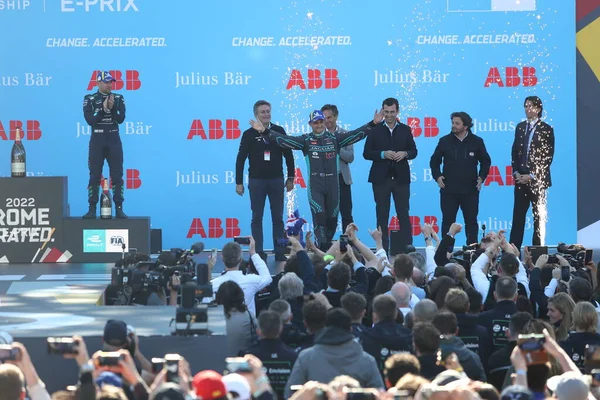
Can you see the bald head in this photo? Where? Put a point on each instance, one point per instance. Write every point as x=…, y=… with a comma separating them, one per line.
x=424, y=311
x=401, y=293
x=418, y=277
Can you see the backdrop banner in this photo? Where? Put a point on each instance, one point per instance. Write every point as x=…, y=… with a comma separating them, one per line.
x=190, y=72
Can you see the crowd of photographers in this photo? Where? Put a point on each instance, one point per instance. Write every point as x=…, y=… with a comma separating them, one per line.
x=486, y=322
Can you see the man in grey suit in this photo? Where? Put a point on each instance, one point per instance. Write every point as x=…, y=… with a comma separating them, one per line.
x=330, y=111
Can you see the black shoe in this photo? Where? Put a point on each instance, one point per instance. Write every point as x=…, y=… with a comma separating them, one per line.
x=119, y=213
x=91, y=214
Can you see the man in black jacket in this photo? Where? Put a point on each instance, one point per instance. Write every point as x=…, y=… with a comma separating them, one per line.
x=426, y=341
x=473, y=335
x=461, y=152
x=277, y=358
x=446, y=322
x=497, y=319
x=386, y=337
x=265, y=177
x=104, y=111
x=532, y=154
x=499, y=362
x=390, y=147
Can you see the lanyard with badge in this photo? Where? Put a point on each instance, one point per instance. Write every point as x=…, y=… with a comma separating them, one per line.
x=267, y=154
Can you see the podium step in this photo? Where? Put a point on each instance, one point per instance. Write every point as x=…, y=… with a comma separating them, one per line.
x=102, y=240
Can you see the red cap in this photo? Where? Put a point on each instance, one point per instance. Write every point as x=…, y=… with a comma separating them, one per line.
x=209, y=385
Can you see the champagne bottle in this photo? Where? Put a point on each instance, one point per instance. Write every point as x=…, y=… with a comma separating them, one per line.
x=105, y=202
x=17, y=157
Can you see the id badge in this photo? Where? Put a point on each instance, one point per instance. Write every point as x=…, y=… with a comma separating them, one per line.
x=267, y=155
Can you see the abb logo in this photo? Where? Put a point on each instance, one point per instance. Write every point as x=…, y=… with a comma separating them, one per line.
x=511, y=77
x=299, y=180
x=495, y=176
x=215, y=228
x=428, y=126
x=132, y=80
x=32, y=130
x=215, y=129
x=415, y=223
x=315, y=80
x=132, y=179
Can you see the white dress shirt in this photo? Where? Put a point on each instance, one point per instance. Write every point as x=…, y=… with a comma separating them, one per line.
x=250, y=283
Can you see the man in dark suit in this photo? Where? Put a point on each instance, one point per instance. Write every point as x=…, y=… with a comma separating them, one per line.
x=462, y=152
x=532, y=154
x=390, y=147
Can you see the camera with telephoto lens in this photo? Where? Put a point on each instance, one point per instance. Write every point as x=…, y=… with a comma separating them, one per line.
x=62, y=345
x=466, y=256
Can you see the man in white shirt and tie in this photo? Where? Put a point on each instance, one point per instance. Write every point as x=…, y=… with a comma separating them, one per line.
x=532, y=154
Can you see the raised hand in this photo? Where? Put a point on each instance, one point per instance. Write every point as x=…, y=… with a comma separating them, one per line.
x=257, y=125
x=378, y=116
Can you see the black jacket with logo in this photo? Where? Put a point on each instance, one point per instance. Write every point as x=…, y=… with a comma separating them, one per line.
x=384, y=339
x=278, y=360
x=575, y=346
x=461, y=159
x=496, y=321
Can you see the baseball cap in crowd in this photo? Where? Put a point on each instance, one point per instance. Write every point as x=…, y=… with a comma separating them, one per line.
x=208, y=385
x=570, y=385
x=316, y=115
x=237, y=386
x=109, y=378
x=115, y=333
x=105, y=76
x=516, y=392
x=168, y=391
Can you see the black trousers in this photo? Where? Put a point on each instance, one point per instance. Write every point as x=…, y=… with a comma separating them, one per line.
x=259, y=190
x=105, y=146
x=345, y=203
x=401, y=192
x=526, y=195
x=469, y=204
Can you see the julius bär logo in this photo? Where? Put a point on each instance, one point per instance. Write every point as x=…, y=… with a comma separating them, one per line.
x=217, y=227
x=230, y=129
x=511, y=77
x=132, y=80
x=31, y=128
x=423, y=126
x=314, y=79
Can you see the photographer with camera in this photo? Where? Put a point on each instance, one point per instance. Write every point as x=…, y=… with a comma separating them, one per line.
x=509, y=265
x=135, y=279
x=250, y=283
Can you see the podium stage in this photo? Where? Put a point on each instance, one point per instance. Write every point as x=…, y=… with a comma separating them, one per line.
x=36, y=226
